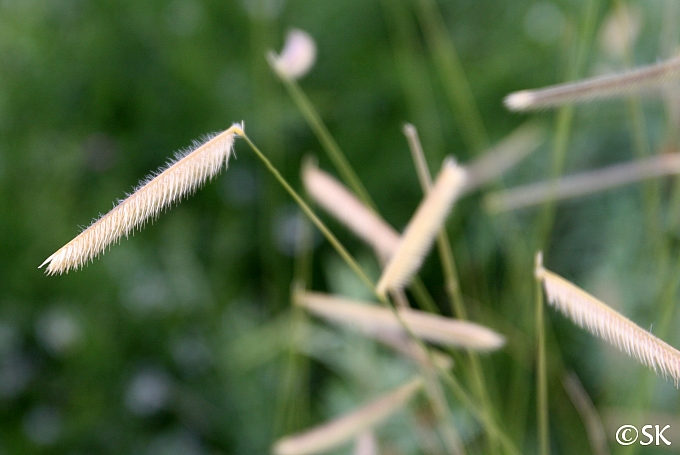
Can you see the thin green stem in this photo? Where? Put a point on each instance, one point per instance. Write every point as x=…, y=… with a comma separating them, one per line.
x=565, y=115
x=450, y=272
x=411, y=66
x=484, y=417
x=331, y=147
x=541, y=375
x=356, y=268
x=293, y=397
x=422, y=296
x=266, y=101
x=443, y=243
x=452, y=75
x=436, y=401
x=659, y=242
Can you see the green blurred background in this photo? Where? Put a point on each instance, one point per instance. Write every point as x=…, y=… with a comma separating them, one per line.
x=174, y=341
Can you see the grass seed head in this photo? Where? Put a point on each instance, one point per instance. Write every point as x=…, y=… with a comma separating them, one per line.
x=179, y=177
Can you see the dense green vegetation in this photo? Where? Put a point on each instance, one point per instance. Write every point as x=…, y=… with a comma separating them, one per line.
x=181, y=340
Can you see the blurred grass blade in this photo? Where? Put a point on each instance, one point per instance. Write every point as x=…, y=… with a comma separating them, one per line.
x=450, y=274
x=541, y=369
x=583, y=183
x=585, y=407
x=503, y=156
x=610, y=325
x=341, y=430
x=451, y=73
x=423, y=227
x=347, y=208
x=178, y=178
x=418, y=156
x=597, y=87
x=371, y=319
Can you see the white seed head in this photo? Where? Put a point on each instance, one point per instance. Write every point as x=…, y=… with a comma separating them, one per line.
x=421, y=231
x=297, y=57
x=588, y=182
x=610, y=325
x=503, y=156
x=180, y=177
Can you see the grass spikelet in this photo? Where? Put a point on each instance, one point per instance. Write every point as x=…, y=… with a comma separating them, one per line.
x=608, y=324
x=423, y=227
x=379, y=321
x=343, y=205
x=585, y=407
x=583, y=183
x=596, y=87
x=342, y=429
x=157, y=192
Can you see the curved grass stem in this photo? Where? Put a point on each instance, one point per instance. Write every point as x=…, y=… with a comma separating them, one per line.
x=351, y=262
x=329, y=144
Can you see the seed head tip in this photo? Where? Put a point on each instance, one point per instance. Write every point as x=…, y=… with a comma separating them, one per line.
x=518, y=101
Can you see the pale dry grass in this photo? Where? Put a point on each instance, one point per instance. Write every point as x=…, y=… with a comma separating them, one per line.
x=349, y=426
x=610, y=325
x=373, y=320
x=503, y=156
x=421, y=231
x=366, y=444
x=624, y=83
x=584, y=183
x=180, y=177
x=348, y=209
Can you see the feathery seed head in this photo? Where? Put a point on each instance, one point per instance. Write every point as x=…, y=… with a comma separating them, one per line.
x=178, y=178
x=423, y=227
x=297, y=57
x=610, y=325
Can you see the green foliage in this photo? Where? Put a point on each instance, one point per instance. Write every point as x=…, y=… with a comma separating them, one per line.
x=181, y=338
